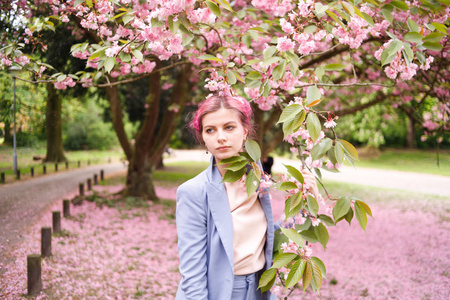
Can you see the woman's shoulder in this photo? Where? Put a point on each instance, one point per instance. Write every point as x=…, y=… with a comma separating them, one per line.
x=194, y=185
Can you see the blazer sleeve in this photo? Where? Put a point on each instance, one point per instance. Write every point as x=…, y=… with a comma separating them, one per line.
x=192, y=242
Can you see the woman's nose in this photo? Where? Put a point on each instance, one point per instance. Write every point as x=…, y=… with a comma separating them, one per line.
x=221, y=136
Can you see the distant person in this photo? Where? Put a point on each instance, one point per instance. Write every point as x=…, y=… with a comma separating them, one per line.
x=267, y=164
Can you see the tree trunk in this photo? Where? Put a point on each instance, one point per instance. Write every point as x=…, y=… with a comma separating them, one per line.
x=55, y=152
x=154, y=134
x=411, y=136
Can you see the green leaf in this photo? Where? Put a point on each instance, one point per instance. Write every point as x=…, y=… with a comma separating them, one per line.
x=348, y=7
x=292, y=126
x=231, y=160
x=279, y=71
x=319, y=150
x=440, y=27
x=213, y=8
x=293, y=57
x=125, y=57
x=313, y=125
x=400, y=4
x=310, y=29
x=408, y=51
x=349, y=149
x=361, y=216
x=289, y=211
x=98, y=53
x=253, y=149
x=326, y=220
x=313, y=94
x=309, y=236
x=322, y=234
x=335, y=18
x=413, y=37
x=283, y=259
x=287, y=185
x=341, y=208
x=339, y=153
x=307, y=275
x=251, y=182
x=365, y=207
x=266, y=277
x=61, y=77
x=293, y=236
x=320, y=264
x=394, y=47
x=313, y=206
x=305, y=226
x=138, y=55
x=269, y=52
x=334, y=67
x=231, y=176
x=295, y=173
x=78, y=2
x=316, y=275
x=412, y=25
x=231, y=77
x=209, y=57
x=290, y=112
x=253, y=75
x=434, y=46
x=271, y=60
x=236, y=166
x=433, y=37
x=295, y=273
x=296, y=199
x=387, y=14
x=127, y=19
x=368, y=19
x=349, y=216
x=109, y=64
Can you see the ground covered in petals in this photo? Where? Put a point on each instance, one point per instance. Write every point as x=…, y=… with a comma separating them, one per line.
x=129, y=252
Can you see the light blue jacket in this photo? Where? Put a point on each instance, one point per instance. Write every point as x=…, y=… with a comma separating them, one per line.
x=205, y=238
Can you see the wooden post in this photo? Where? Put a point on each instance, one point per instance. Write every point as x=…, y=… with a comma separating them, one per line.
x=102, y=175
x=67, y=165
x=79, y=163
x=66, y=208
x=81, y=188
x=2, y=177
x=18, y=175
x=95, y=179
x=46, y=241
x=44, y=169
x=56, y=167
x=89, y=184
x=56, y=222
x=34, y=274
x=89, y=162
x=32, y=171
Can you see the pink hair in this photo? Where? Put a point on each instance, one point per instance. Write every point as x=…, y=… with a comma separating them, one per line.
x=214, y=103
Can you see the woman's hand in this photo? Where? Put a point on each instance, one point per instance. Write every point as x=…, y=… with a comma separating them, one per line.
x=311, y=183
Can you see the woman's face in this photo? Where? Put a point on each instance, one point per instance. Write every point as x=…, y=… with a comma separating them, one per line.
x=223, y=133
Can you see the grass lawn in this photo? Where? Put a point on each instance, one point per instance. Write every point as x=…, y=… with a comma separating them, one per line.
x=422, y=161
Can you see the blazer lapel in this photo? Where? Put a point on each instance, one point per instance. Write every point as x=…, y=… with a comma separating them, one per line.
x=220, y=209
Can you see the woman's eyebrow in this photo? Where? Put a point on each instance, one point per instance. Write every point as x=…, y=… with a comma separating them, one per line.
x=229, y=123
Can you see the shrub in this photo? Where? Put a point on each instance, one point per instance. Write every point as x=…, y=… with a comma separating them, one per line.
x=25, y=139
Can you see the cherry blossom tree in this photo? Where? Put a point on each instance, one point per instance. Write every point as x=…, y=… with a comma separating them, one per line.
x=307, y=61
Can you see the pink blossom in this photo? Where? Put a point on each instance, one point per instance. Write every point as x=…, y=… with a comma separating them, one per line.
x=330, y=123
x=285, y=44
x=330, y=165
x=286, y=26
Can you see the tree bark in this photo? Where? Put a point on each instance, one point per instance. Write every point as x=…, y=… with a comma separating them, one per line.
x=55, y=152
x=154, y=135
x=7, y=132
x=411, y=136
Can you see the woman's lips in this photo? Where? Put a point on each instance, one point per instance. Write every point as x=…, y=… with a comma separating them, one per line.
x=223, y=148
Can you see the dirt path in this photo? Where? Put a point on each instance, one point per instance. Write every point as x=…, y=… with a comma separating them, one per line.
x=22, y=203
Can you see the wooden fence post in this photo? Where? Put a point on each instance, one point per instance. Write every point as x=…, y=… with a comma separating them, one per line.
x=89, y=162
x=56, y=222
x=67, y=165
x=34, y=274
x=89, y=184
x=79, y=163
x=32, y=171
x=56, y=167
x=81, y=189
x=95, y=179
x=18, y=175
x=46, y=241
x=2, y=177
x=44, y=169
x=66, y=208
x=102, y=175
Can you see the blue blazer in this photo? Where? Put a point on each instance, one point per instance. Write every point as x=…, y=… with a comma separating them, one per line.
x=205, y=238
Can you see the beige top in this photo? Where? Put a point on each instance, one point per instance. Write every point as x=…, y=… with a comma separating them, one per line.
x=249, y=229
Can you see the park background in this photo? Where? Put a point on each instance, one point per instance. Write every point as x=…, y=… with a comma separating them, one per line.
x=122, y=247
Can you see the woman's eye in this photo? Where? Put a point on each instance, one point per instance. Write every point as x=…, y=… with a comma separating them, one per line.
x=209, y=130
x=229, y=127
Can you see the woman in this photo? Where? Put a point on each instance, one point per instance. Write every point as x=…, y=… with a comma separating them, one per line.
x=225, y=238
